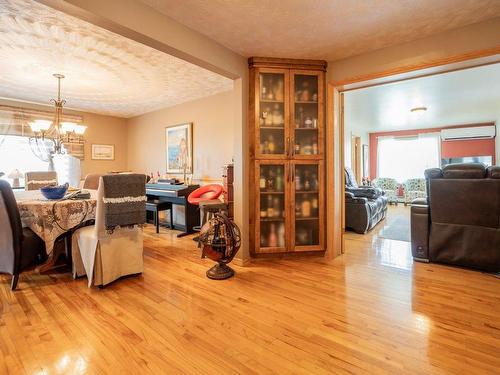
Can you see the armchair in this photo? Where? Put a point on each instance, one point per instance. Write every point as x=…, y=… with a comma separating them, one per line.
x=389, y=187
x=414, y=188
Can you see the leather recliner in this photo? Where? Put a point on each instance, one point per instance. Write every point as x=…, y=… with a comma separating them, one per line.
x=459, y=223
x=365, y=206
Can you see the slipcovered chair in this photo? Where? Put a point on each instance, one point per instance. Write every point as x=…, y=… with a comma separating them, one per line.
x=414, y=188
x=37, y=180
x=92, y=181
x=20, y=248
x=389, y=187
x=113, y=247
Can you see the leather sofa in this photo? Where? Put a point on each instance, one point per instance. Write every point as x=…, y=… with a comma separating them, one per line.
x=365, y=206
x=459, y=223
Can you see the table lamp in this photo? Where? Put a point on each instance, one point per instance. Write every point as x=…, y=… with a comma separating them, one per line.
x=15, y=175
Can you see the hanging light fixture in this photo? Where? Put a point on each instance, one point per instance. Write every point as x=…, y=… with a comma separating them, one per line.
x=57, y=131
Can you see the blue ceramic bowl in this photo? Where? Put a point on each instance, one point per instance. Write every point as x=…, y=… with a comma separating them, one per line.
x=54, y=192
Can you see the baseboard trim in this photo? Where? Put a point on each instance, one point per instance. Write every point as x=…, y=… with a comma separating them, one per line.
x=422, y=260
x=242, y=262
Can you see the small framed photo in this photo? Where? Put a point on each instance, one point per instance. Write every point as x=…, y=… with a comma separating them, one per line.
x=103, y=152
x=179, y=148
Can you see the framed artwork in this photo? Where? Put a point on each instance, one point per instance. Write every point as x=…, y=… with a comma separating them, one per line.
x=179, y=148
x=103, y=152
x=365, y=160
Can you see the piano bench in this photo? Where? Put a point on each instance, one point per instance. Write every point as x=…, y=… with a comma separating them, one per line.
x=156, y=206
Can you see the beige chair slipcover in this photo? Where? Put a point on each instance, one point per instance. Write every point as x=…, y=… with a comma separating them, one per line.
x=37, y=180
x=92, y=181
x=105, y=257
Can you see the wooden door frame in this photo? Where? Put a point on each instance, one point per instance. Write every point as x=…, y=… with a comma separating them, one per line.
x=335, y=218
x=356, y=167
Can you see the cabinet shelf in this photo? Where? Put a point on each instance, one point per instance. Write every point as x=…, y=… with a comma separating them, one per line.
x=277, y=127
x=306, y=102
x=273, y=192
x=271, y=101
x=316, y=129
x=306, y=218
x=306, y=191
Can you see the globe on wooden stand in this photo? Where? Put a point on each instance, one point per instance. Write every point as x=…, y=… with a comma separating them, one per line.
x=220, y=240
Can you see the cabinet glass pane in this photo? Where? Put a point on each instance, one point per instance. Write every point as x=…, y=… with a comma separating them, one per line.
x=272, y=113
x=306, y=115
x=306, y=205
x=272, y=205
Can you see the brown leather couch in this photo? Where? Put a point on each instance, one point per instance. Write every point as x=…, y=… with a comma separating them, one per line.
x=365, y=206
x=459, y=224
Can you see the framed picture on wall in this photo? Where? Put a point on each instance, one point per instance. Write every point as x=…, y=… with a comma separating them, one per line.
x=365, y=160
x=179, y=148
x=103, y=152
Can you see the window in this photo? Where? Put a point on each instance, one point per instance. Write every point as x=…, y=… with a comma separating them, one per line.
x=15, y=153
x=408, y=157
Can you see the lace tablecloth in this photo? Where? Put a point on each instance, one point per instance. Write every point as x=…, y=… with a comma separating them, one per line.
x=49, y=219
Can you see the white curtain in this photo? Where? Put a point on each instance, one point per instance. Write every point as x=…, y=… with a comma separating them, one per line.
x=68, y=169
x=408, y=157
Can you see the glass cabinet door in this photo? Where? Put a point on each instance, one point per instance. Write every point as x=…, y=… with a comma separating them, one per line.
x=307, y=201
x=272, y=203
x=307, y=119
x=271, y=130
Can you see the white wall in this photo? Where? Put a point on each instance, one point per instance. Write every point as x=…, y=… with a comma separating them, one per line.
x=497, y=140
x=350, y=130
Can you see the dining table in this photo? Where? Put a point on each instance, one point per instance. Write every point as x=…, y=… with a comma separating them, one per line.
x=51, y=219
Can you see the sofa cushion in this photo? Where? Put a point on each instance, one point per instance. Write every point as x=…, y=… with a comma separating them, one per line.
x=465, y=171
x=493, y=172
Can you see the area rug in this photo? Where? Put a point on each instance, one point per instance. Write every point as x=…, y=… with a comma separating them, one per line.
x=397, y=229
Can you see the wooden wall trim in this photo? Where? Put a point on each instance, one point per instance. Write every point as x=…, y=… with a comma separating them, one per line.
x=462, y=61
x=272, y=62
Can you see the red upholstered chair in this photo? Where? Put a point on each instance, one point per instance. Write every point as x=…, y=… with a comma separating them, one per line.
x=205, y=193
x=207, y=198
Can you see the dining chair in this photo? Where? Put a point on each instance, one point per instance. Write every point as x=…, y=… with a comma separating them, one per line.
x=20, y=248
x=92, y=181
x=113, y=246
x=37, y=180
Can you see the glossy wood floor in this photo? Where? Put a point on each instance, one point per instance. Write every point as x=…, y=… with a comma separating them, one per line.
x=370, y=311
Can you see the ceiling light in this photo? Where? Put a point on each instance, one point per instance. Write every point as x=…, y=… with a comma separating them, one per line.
x=418, y=109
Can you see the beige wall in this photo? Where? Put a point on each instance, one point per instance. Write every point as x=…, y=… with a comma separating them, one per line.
x=213, y=136
x=476, y=37
x=100, y=130
x=105, y=130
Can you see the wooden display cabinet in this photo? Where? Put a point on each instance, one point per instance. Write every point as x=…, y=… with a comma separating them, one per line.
x=287, y=122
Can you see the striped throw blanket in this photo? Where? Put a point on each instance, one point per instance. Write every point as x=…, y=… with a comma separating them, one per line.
x=124, y=200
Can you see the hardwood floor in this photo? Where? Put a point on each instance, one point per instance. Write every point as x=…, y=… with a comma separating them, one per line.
x=369, y=311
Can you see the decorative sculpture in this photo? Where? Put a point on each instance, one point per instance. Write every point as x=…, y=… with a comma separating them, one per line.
x=220, y=240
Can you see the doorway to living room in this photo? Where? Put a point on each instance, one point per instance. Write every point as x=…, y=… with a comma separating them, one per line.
x=394, y=132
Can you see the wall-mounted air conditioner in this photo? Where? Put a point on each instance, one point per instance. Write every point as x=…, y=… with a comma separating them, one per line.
x=476, y=132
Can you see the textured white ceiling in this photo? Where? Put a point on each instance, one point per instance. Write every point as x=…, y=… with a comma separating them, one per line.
x=461, y=97
x=105, y=73
x=325, y=29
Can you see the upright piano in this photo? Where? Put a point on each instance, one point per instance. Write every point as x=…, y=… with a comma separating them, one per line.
x=177, y=195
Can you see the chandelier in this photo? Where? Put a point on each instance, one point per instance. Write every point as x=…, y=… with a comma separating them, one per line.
x=58, y=132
